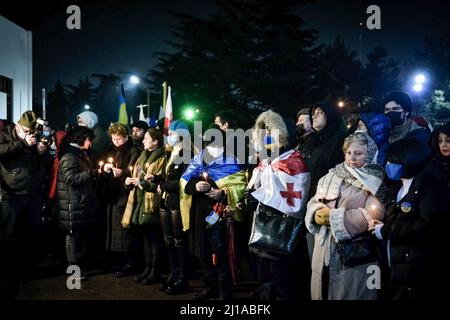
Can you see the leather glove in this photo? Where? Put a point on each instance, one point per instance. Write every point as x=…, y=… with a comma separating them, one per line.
x=250, y=202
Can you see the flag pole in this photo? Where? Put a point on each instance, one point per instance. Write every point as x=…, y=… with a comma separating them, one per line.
x=44, y=106
x=164, y=96
x=148, y=102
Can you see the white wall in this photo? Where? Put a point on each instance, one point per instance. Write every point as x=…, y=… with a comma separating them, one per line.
x=16, y=63
x=3, y=113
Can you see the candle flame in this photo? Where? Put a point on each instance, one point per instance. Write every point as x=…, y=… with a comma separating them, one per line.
x=110, y=160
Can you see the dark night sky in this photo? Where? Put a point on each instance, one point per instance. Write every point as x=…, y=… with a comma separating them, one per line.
x=122, y=36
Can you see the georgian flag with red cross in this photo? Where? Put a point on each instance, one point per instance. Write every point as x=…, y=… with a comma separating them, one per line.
x=284, y=183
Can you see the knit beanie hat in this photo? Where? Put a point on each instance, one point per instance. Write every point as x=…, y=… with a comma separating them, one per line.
x=89, y=118
x=28, y=120
x=178, y=125
x=140, y=124
x=401, y=98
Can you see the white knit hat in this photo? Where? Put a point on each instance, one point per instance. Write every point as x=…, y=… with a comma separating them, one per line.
x=89, y=118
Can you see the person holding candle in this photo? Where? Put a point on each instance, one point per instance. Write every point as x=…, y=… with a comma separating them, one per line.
x=142, y=208
x=347, y=199
x=225, y=183
x=121, y=155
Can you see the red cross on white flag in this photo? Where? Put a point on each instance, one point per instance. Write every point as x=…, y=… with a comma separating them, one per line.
x=285, y=183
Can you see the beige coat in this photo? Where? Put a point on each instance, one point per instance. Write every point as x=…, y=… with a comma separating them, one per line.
x=355, y=208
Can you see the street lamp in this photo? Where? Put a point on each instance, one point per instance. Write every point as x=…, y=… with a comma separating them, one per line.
x=420, y=78
x=341, y=104
x=135, y=80
x=418, y=87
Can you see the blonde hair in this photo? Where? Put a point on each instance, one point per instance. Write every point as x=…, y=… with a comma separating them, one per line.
x=118, y=128
x=358, y=137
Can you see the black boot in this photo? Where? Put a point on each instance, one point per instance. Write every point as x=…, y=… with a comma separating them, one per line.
x=143, y=275
x=126, y=271
x=169, y=281
x=152, y=278
x=154, y=275
x=174, y=267
x=181, y=286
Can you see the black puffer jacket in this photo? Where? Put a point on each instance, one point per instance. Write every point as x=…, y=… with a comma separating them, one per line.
x=22, y=168
x=75, y=190
x=416, y=227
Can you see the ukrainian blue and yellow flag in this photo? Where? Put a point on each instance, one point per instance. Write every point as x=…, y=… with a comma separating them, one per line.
x=123, y=115
x=225, y=172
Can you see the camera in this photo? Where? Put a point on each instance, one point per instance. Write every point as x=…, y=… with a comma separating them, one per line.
x=38, y=132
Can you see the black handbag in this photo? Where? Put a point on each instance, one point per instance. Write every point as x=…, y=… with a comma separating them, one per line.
x=274, y=232
x=358, y=250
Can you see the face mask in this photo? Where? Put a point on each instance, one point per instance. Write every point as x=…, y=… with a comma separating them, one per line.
x=394, y=171
x=172, y=140
x=46, y=133
x=215, y=152
x=395, y=117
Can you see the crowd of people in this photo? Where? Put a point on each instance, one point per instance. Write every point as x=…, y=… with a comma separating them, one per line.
x=318, y=212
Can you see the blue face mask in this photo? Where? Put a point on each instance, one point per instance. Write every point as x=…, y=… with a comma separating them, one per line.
x=172, y=140
x=46, y=133
x=394, y=171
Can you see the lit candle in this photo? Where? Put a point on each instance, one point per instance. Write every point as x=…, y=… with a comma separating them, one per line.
x=205, y=176
x=110, y=160
x=100, y=164
x=131, y=168
x=246, y=176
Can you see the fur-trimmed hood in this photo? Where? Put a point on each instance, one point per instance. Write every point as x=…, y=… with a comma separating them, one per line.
x=274, y=121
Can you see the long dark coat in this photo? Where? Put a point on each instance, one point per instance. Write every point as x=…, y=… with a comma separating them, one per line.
x=115, y=195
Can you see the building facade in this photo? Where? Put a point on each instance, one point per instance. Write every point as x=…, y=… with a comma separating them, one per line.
x=16, y=69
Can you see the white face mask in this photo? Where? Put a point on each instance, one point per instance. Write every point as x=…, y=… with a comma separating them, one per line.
x=215, y=152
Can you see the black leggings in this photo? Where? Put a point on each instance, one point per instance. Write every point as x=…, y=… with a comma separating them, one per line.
x=172, y=227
